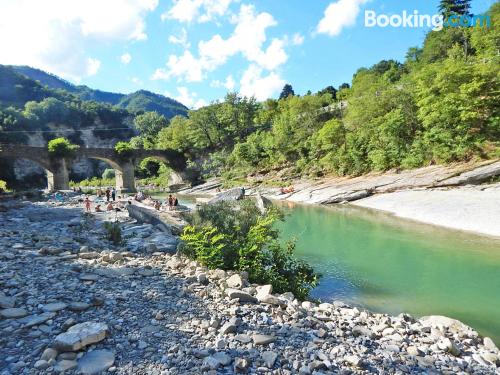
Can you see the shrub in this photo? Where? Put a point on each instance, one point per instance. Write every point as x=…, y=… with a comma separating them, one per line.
x=124, y=150
x=235, y=236
x=3, y=186
x=108, y=174
x=113, y=232
x=61, y=148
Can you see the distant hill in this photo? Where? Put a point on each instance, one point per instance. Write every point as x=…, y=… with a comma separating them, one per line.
x=139, y=101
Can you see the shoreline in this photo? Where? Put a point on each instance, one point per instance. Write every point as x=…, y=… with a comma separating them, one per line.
x=144, y=301
x=454, y=197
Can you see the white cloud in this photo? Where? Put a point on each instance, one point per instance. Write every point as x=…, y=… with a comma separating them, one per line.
x=262, y=87
x=93, y=66
x=54, y=34
x=189, y=99
x=229, y=84
x=126, y=58
x=136, y=81
x=247, y=39
x=182, y=39
x=297, y=39
x=339, y=15
x=186, y=66
x=202, y=10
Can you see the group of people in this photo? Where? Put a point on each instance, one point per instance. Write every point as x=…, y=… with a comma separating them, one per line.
x=110, y=194
x=172, y=202
x=99, y=207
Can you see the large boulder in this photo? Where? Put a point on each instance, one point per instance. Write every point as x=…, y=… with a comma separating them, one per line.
x=229, y=195
x=262, y=203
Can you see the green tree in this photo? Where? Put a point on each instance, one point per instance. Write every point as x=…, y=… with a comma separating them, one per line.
x=328, y=90
x=450, y=7
x=149, y=124
x=287, y=91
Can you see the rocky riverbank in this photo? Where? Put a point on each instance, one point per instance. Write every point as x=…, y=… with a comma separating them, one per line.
x=72, y=302
x=460, y=196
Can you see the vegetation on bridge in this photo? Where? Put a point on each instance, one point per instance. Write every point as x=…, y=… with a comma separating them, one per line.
x=61, y=148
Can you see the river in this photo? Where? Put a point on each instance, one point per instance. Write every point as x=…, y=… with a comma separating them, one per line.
x=392, y=265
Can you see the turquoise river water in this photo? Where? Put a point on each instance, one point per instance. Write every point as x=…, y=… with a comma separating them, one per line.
x=386, y=264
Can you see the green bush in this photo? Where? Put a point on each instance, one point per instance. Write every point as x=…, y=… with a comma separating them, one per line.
x=108, y=174
x=61, y=148
x=113, y=232
x=235, y=236
x=93, y=182
x=3, y=186
x=124, y=150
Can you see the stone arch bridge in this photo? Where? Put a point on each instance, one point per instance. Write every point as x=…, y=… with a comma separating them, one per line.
x=58, y=168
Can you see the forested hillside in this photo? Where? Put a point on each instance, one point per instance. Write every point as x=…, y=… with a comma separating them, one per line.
x=440, y=105
x=27, y=106
x=139, y=101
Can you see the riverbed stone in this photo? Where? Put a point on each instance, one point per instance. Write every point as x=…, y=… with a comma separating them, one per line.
x=240, y=295
x=7, y=302
x=81, y=335
x=449, y=346
x=13, y=313
x=96, y=361
x=34, y=320
x=489, y=344
x=259, y=339
x=49, y=354
x=235, y=281
x=54, y=307
x=269, y=358
x=65, y=365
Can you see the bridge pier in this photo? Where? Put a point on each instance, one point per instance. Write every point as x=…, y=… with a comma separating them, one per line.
x=125, y=178
x=58, y=176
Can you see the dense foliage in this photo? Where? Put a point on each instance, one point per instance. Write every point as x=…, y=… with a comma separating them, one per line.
x=441, y=105
x=61, y=148
x=235, y=236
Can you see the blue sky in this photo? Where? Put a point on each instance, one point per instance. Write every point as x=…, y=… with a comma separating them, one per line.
x=197, y=50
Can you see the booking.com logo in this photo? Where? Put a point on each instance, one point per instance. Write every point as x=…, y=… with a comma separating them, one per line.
x=436, y=21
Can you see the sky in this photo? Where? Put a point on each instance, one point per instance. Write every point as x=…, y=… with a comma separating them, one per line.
x=197, y=50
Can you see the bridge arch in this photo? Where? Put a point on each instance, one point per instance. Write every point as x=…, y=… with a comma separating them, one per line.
x=57, y=169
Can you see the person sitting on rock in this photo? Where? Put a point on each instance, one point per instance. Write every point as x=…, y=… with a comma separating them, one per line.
x=98, y=208
x=109, y=207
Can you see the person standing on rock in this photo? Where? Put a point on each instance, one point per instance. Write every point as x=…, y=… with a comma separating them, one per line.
x=108, y=194
x=113, y=194
x=87, y=204
x=170, y=202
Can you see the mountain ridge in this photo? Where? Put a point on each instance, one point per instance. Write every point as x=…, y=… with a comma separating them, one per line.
x=135, y=102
